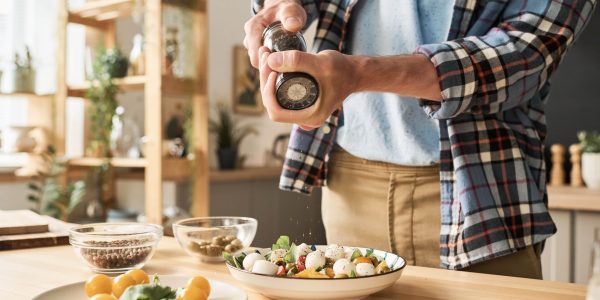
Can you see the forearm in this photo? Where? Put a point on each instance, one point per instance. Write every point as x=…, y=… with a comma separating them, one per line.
x=407, y=75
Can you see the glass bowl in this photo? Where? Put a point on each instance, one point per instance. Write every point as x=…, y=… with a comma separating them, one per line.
x=115, y=247
x=207, y=237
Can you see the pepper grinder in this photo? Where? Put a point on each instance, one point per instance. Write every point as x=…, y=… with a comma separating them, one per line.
x=294, y=90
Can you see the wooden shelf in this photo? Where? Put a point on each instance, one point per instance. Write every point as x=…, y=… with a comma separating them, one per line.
x=115, y=162
x=170, y=85
x=24, y=95
x=99, y=13
x=246, y=174
x=573, y=198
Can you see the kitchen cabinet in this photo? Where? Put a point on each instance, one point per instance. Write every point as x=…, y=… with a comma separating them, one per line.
x=585, y=224
x=556, y=258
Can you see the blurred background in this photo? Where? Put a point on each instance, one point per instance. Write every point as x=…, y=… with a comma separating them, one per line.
x=149, y=111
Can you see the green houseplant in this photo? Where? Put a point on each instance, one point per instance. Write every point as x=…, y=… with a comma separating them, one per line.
x=49, y=196
x=23, y=73
x=103, y=95
x=590, y=159
x=229, y=135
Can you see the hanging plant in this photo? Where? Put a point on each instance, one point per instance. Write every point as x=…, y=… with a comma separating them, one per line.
x=103, y=96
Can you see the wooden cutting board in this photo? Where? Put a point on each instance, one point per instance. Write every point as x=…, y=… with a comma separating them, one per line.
x=57, y=235
x=22, y=222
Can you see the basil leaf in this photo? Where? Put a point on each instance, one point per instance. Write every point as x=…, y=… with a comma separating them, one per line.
x=150, y=291
x=352, y=274
x=239, y=261
x=369, y=252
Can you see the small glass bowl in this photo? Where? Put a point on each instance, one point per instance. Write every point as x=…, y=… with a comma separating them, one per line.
x=207, y=237
x=115, y=247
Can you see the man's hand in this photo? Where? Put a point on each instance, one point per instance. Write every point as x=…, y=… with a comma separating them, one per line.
x=335, y=73
x=291, y=14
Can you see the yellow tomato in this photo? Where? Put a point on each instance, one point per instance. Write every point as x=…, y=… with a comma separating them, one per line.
x=200, y=282
x=139, y=276
x=98, y=284
x=193, y=293
x=121, y=283
x=103, y=297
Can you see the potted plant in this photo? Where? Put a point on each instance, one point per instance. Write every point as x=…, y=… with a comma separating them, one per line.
x=229, y=136
x=590, y=159
x=113, y=62
x=23, y=73
x=48, y=194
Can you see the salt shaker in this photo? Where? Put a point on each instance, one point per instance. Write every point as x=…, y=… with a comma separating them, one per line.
x=294, y=90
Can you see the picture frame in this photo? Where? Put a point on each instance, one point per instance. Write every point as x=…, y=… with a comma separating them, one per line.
x=246, y=84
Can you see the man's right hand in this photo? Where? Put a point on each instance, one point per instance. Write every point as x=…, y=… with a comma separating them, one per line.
x=291, y=14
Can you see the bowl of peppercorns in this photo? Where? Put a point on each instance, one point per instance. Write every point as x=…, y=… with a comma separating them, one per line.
x=208, y=237
x=114, y=248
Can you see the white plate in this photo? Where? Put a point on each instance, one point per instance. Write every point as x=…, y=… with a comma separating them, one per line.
x=327, y=288
x=219, y=290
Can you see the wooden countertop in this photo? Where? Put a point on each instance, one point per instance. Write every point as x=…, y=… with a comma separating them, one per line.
x=573, y=198
x=26, y=273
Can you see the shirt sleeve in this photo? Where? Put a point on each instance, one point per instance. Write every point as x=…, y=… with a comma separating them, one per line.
x=310, y=6
x=507, y=65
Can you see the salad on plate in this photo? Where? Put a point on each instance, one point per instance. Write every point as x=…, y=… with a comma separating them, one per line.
x=286, y=259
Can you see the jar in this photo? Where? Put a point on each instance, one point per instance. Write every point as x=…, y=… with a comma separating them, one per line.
x=294, y=90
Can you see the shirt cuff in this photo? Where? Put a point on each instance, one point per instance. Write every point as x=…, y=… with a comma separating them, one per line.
x=456, y=77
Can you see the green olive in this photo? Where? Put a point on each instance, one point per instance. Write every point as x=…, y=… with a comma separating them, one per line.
x=382, y=268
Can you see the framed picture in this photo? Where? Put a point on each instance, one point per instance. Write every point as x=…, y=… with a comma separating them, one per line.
x=246, y=84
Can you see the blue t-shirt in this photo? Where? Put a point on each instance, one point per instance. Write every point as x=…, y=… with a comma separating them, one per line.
x=382, y=126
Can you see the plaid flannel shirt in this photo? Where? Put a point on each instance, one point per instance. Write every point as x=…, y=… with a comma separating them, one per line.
x=493, y=73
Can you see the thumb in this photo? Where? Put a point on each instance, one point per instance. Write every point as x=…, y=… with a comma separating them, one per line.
x=292, y=16
x=292, y=61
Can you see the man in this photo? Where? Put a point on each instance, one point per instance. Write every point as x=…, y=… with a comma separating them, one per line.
x=481, y=71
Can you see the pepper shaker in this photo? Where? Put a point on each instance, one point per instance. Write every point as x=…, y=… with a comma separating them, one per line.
x=294, y=90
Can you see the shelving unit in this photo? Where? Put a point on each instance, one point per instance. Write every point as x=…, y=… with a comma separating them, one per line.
x=101, y=15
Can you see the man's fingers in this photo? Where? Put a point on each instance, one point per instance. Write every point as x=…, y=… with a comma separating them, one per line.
x=264, y=69
x=292, y=16
x=253, y=39
x=293, y=61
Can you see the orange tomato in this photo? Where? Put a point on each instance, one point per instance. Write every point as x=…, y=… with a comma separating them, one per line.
x=362, y=259
x=98, y=284
x=139, y=276
x=193, y=293
x=103, y=297
x=121, y=283
x=200, y=282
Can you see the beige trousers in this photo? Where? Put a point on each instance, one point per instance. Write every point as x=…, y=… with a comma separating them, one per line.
x=397, y=208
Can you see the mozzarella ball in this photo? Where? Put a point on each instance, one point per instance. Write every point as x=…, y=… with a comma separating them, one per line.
x=264, y=267
x=315, y=259
x=343, y=266
x=365, y=269
x=302, y=249
x=277, y=255
x=334, y=252
x=250, y=259
x=349, y=251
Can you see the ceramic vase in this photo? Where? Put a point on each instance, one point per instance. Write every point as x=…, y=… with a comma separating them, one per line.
x=590, y=169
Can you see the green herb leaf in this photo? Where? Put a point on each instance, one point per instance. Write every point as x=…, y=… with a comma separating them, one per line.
x=151, y=291
x=369, y=252
x=355, y=254
x=290, y=256
x=352, y=274
x=283, y=242
x=229, y=258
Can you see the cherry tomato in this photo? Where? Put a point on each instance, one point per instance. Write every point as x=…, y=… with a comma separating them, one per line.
x=281, y=271
x=98, y=284
x=201, y=283
x=193, y=293
x=362, y=259
x=103, y=297
x=301, y=263
x=139, y=276
x=121, y=283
